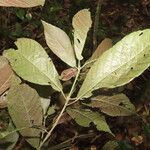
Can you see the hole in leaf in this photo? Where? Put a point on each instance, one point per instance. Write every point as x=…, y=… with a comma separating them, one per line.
x=140, y=33
x=131, y=68
x=78, y=41
x=144, y=55
x=122, y=104
x=32, y=122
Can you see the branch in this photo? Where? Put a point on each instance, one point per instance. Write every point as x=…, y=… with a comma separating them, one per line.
x=96, y=23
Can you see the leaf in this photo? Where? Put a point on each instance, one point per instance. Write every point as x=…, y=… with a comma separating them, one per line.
x=10, y=137
x=32, y=63
x=5, y=74
x=117, y=105
x=59, y=42
x=21, y=3
x=3, y=100
x=102, y=47
x=121, y=64
x=68, y=74
x=25, y=109
x=110, y=145
x=45, y=102
x=85, y=116
x=81, y=23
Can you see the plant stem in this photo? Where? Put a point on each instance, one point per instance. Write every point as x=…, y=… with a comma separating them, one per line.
x=64, y=107
x=96, y=23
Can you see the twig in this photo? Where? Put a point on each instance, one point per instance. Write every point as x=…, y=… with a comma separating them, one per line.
x=96, y=23
x=63, y=109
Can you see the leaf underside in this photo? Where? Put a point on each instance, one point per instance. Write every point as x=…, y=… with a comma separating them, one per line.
x=21, y=3
x=25, y=109
x=31, y=62
x=117, y=105
x=121, y=64
x=85, y=116
x=59, y=42
x=81, y=23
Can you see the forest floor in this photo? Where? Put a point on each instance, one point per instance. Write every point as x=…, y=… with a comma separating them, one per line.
x=117, y=19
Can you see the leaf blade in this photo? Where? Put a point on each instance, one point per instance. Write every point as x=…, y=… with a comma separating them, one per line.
x=32, y=63
x=21, y=3
x=59, y=42
x=25, y=109
x=117, y=105
x=121, y=64
x=5, y=74
x=102, y=47
x=85, y=116
x=81, y=23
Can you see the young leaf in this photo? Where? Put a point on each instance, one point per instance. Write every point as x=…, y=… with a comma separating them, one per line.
x=5, y=74
x=32, y=63
x=59, y=42
x=21, y=3
x=117, y=105
x=85, y=116
x=25, y=109
x=68, y=74
x=121, y=64
x=81, y=23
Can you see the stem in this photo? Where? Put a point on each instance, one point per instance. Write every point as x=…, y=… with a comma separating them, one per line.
x=96, y=23
x=64, y=107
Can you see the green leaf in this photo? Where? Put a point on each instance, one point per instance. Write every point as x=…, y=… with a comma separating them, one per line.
x=45, y=104
x=21, y=3
x=32, y=63
x=117, y=105
x=9, y=138
x=25, y=109
x=5, y=74
x=85, y=116
x=59, y=42
x=81, y=23
x=110, y=145
x=121, y=64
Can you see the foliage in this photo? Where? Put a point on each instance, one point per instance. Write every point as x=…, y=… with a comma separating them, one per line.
x=109, y=68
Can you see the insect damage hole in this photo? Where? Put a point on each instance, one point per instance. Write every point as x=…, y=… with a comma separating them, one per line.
x=140, y=33
x=78, y=41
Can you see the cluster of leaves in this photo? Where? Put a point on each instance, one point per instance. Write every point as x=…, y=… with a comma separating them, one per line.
x=110, y=67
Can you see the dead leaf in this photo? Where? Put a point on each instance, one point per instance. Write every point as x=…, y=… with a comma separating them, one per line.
x=5, y=74
x=93, y=147
x=21, y=3
x=3, y=100
x=102, y=47
x=137, y=140
x=68, y=74
x=64, y=118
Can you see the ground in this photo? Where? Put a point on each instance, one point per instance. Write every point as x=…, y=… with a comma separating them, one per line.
x=117, y=19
